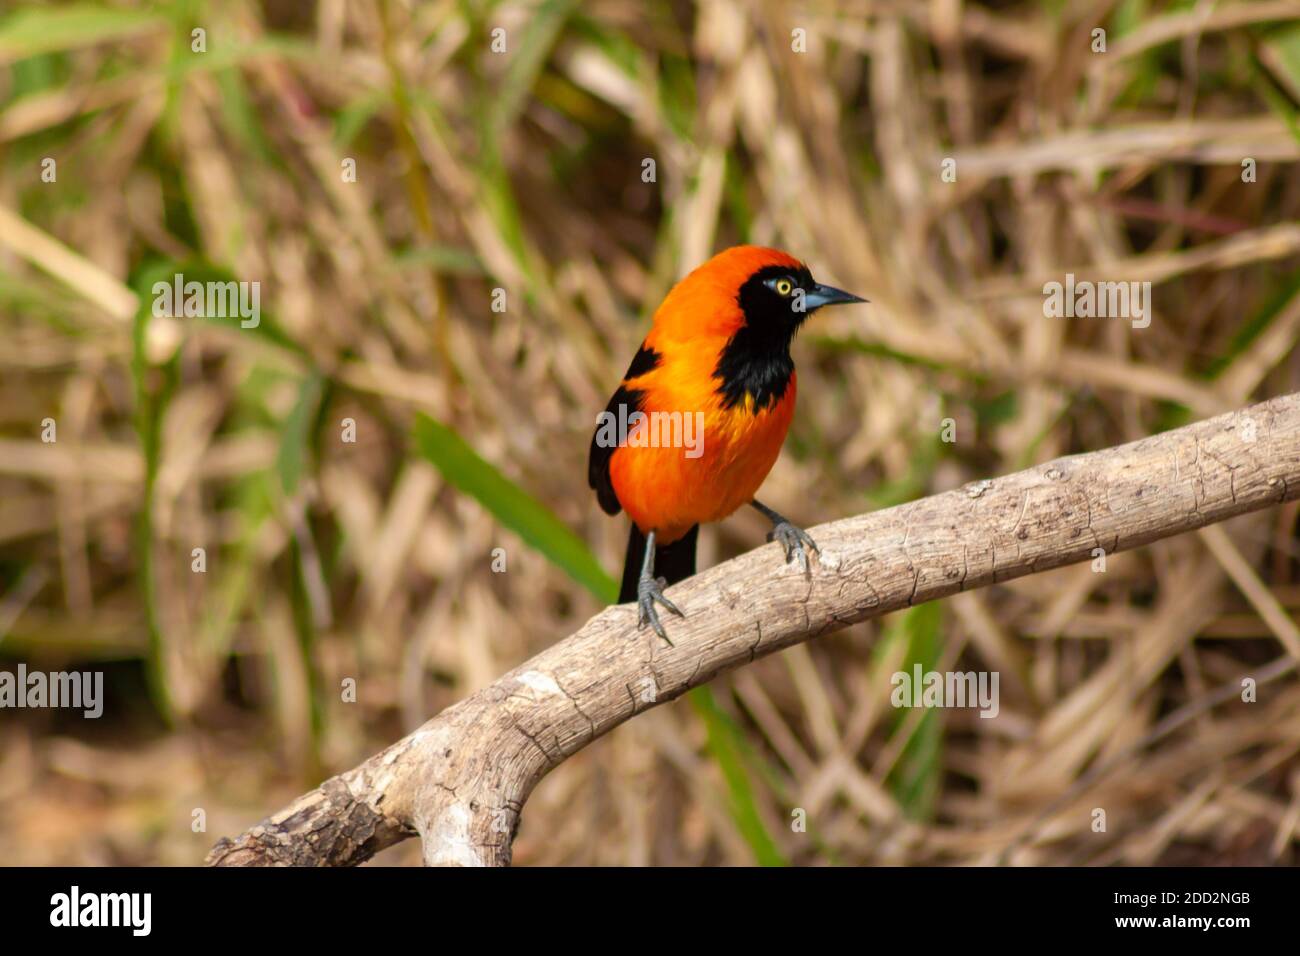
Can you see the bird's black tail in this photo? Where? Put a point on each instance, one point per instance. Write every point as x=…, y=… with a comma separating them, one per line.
x=674, y=562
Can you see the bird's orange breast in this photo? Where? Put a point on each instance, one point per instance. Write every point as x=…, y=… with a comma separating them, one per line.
x=723, y=455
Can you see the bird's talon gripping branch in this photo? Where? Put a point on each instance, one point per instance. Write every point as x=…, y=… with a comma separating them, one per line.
x=650, y=590
x=795, y=541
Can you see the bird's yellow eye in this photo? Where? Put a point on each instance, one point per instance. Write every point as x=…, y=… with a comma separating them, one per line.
x=784, y=286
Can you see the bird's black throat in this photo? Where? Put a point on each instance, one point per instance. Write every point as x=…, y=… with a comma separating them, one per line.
x=756, y=359
x=752, y=364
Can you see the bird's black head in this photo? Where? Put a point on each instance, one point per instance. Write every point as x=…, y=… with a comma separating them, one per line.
x=776, y=299
x=755, y=365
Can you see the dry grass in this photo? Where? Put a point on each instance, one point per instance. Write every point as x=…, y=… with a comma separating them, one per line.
x=522, y=171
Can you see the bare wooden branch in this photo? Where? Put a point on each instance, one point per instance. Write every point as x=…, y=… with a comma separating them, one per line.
x=460, y=781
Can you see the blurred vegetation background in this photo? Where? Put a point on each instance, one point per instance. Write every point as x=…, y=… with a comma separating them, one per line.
x=1171, y=157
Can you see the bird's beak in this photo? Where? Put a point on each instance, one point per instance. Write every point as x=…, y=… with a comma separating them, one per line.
x=821, y=295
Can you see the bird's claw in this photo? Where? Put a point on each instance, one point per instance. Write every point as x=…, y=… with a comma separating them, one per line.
x=795, y=541
x=648, y=591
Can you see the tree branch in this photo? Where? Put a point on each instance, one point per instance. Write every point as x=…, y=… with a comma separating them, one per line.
x=460, y=780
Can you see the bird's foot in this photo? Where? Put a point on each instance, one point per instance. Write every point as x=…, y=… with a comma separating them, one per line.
x=796, y=541
x=648, y=591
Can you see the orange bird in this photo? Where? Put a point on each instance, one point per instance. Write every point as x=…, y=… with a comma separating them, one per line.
x=701, y=414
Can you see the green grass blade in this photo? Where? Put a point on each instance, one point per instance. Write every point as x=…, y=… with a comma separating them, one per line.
x=916, y=779
x=297, y=432
x=726, y=743
x=38, y=30
x=153, y=387
x=512, y=506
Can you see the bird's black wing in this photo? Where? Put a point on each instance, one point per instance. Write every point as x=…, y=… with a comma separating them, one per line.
x=621, y=406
